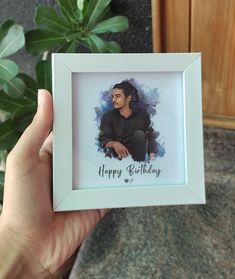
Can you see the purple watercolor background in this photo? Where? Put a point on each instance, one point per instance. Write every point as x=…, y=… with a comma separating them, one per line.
x=148, y=101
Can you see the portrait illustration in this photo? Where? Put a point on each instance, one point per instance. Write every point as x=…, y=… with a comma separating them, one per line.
x=125, y=127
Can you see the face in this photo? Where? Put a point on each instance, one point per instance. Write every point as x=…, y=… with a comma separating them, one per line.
x=119, y=99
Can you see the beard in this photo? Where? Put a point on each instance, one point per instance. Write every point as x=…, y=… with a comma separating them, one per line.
x=119, y=106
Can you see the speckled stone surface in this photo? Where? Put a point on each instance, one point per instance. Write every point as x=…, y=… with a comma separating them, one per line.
x=194, y=241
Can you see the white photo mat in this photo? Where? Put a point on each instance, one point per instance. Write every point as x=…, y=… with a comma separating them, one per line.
x=83, y=178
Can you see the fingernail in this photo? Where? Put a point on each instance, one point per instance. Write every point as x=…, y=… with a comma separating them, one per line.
x=40, y=92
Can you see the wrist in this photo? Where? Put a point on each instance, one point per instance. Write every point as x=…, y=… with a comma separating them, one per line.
x=16, y=261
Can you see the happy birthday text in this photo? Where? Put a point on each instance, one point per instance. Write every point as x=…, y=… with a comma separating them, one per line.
x=132, y=169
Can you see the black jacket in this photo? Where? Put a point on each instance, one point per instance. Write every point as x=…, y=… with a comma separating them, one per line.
x=116, y=127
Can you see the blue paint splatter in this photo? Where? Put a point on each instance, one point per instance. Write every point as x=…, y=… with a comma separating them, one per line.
x=148, y=101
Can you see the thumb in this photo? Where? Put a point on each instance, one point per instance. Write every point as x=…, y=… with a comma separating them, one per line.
x=34, y=136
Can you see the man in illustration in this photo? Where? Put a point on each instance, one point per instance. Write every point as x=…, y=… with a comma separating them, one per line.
x=125, y=129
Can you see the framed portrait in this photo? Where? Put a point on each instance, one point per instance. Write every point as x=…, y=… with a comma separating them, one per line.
x=127, y=130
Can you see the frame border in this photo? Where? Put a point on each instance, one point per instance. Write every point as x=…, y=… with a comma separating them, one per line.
x=192, y=192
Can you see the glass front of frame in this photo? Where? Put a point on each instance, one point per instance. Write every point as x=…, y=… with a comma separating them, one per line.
x=160, y=102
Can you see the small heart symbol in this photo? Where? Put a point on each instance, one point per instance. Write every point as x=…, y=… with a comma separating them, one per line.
x=126, y=180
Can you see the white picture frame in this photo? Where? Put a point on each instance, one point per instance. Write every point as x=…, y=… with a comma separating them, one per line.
x=74, y=71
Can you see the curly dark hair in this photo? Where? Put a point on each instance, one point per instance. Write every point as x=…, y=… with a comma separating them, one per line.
x=128, y=90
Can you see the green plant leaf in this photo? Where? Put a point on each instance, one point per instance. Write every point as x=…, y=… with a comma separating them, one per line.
x=68, y=48
x=107, y=13
x=2, y=178
x=113, y=24
x=14, y=87
x=32, y=87
x=94, y=10
x=8, y=136
x=44, y=75
x=9, y=104
x=23, y=117
x=1, y=194
x=67, y=8
x=12, y=41
x=5, y=27
x=96, y=44
x=88, y=9
x=8, y=69
x=78, y=17
x=104, y=15
x=38, y=41
x=80, y=4
x=113, y=47
x=83, y=41
x=73, y=35
x=47, y=18
x=3, y=157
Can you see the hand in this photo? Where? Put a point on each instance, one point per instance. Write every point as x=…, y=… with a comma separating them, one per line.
x=152, y=156
x=43, y=238
x=120, y=149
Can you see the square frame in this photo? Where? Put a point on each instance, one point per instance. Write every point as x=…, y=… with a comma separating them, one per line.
x=65, y=197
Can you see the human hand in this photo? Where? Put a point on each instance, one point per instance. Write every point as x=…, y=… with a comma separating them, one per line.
x=152, y=156
x=120, y=149
x=28, y=226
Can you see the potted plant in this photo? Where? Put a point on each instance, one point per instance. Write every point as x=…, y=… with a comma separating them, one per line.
x=79, y=23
